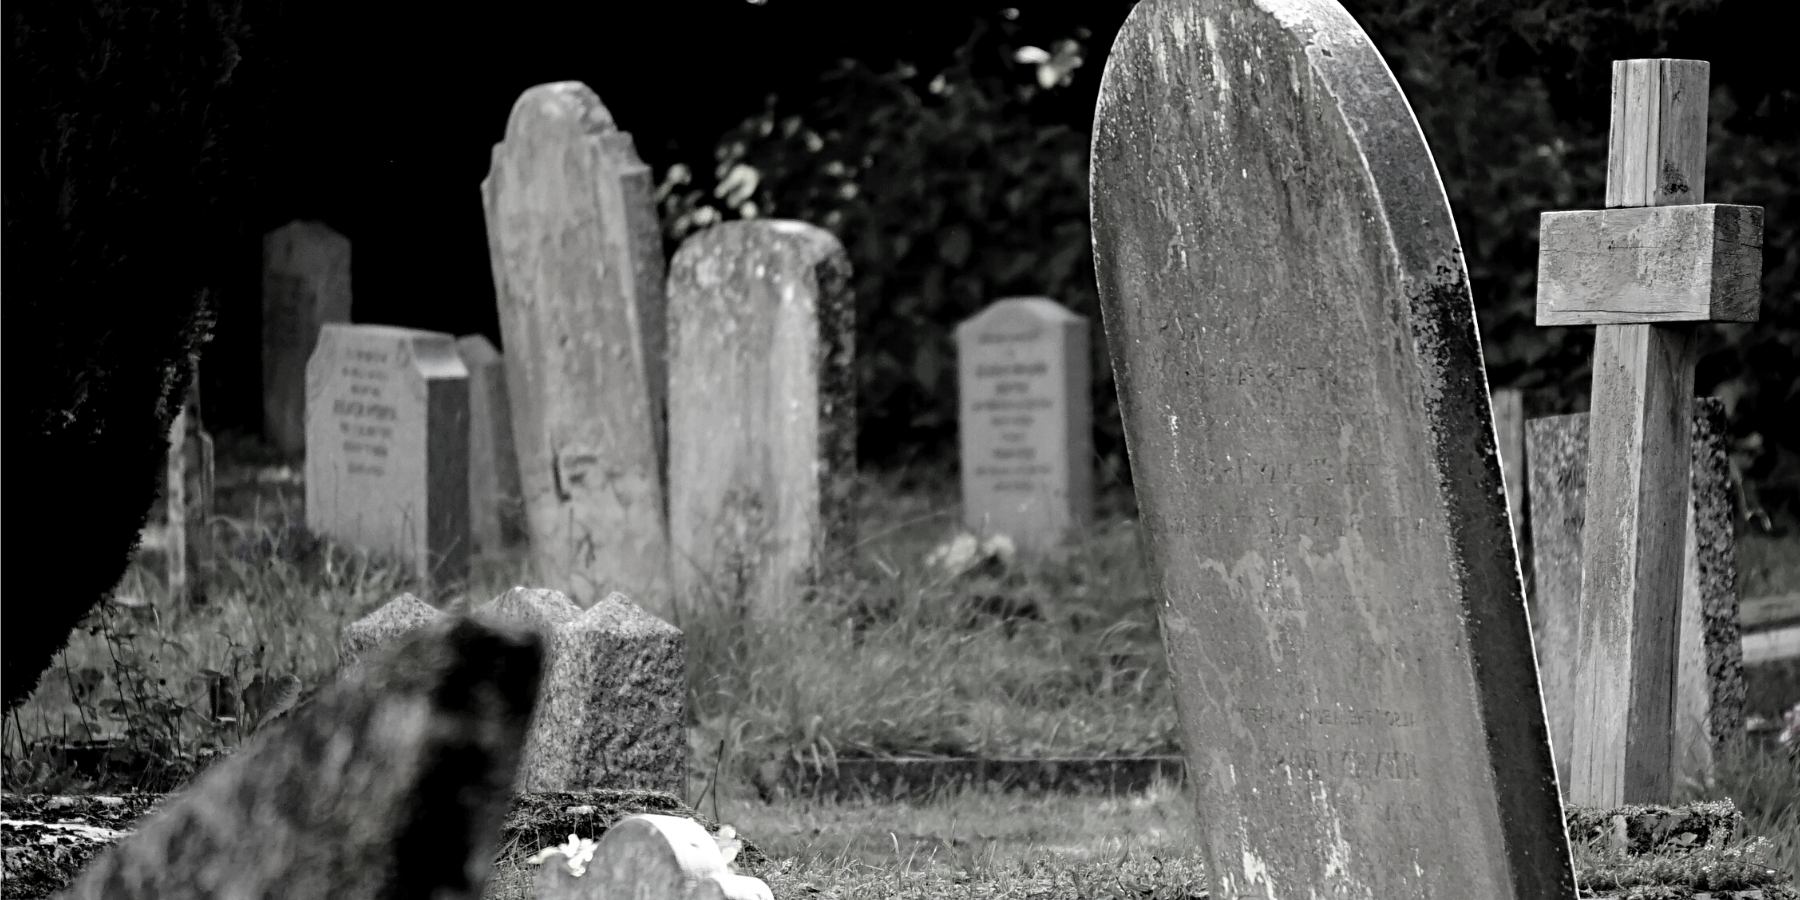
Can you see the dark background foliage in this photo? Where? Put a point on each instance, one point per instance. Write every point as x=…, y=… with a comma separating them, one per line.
x=149, y=145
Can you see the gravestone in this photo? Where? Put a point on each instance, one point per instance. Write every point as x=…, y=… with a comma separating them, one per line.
x=1313, y=453
x=648, y=857
x=762, y=414
x=613, y=709
x=387, y=447
x=496, y=508
x=1644, y=271
x=576, y=254
x=1709, y=685
x=188, y=501
x=306, y=284
x=1026, y=422
x=392, y=782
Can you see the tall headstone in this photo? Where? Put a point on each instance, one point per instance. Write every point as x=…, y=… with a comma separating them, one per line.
x=577, y=260
x=393, y=782
x=1313, y=454
x=188, y=500
x=306, y=284
x=1709, y=680
x=387, y=447
x=1644, y=271
x=613, y=710
x=496, y=507
x=1026, y=422
x=762, y=414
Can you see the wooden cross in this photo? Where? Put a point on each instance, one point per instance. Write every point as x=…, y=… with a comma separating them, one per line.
x=1643, y=270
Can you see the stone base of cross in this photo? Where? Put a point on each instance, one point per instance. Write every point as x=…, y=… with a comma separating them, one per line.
x=1643, y=270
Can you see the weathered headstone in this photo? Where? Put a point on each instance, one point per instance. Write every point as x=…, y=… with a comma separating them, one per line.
x=762, y=414
x=387, y=447
x=1026, y=422
x=392, y=782
x=613, y=710
x=649, y=857
x=1709, y=681
x=1313, y=454
x=1643, y=271
x=188, y=501
x=306, y=284
x=496, y=508
x=577, y=260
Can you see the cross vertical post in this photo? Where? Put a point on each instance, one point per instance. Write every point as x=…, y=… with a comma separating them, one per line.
x=1643, y=271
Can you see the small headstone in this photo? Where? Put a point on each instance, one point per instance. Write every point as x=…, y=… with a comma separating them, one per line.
x=613, y=710
x=576, y=254
x=386, y=626
x=762, y=414
x=1313, y=454
x=387, y=447
x=1710, y=679
x=496, y=508
x=392, y=782
x=306, y=284
x=1026, y=422
x=188, y=501
x=649, y=857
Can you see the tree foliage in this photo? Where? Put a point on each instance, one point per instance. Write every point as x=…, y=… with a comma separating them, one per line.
x=120, y=118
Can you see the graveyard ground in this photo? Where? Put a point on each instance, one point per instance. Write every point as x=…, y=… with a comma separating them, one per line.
x=1029, y=659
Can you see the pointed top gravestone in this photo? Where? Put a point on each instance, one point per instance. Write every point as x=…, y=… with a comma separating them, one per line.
x=306, y=284
x=577, y=262
x=1313, y=453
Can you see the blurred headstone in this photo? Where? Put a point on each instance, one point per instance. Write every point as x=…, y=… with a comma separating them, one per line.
x=496, y=508
x=306, y=283
x=188, y=501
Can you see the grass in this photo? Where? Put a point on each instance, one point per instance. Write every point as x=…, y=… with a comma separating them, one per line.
x=1047, y=657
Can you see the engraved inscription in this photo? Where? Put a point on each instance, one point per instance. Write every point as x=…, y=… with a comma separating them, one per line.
x=364, y=418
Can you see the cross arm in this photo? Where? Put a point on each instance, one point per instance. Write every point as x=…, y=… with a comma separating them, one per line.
x=1637, y=265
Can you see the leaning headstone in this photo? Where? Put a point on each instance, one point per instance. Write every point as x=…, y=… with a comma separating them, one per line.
x=648, y=857
x=387, y=447
x=393, y=782
x=1709, y=687
x=1026, y=422
x=576, y=254
x=613, y=711
x=306, y=284
x=496, y=508
x=1313, y=454
x=762, y=414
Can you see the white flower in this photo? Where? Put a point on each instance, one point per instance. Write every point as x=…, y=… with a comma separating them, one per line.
x=577, y=853
x=729, y=845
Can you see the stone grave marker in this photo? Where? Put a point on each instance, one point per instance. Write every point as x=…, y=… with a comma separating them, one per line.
x=306, y=283
x=392, y=782
x=577, y=261
x=613, y=709
x=188, y=500
x=1709, y=679
x=496, y=507
x=1026, y=422
x=762, y=414
x=649, y=857
x=1643, y=270
x=1313, y=453
x=387, y=447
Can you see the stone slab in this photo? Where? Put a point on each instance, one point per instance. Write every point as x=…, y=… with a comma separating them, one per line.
x=762, y=415
x=394, y=781
x=577, y=261
x=306, y=284
x=1313, y=454
x=387, y=435
x=1710, y=677
x=496, y=504
x=1026, y=423
x=922, y=779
